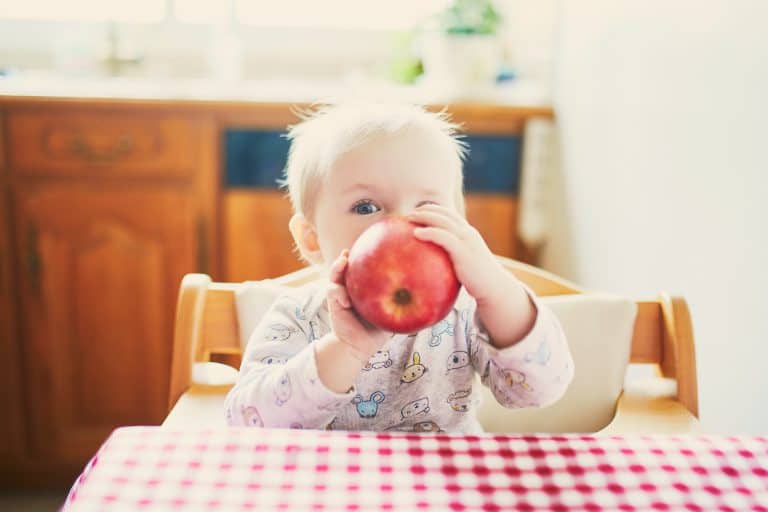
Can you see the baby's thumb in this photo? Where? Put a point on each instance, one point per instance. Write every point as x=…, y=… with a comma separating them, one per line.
x=339, y=267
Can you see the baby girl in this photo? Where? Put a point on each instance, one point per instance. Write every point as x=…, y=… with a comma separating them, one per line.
x=312, y=362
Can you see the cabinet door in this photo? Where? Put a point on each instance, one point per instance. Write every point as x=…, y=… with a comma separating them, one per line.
x=257, y=242
x=495, y=216
x=12, y=442
x=101, y=266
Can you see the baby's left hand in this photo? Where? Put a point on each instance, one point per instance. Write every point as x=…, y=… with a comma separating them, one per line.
x=475, y=265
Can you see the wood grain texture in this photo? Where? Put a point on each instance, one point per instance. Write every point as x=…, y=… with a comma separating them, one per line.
x=12, y=427
x=477, y=117
x=542, y=282
x=187, y=332
x=207, y=191
x=101, y=143
x=640, y=414
x=3, y=131
x=678, y=359
x=484, y=119
x=110, y=205
x=95, y=287
x=648, y=332
x=257, y=243
x=495, y=217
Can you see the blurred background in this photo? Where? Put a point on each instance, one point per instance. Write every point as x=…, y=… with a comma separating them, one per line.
x=618, y=144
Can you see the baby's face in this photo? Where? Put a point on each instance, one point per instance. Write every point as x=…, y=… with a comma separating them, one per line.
x=390, y=175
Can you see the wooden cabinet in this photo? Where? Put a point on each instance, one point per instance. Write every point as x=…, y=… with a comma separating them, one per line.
x=101, y=265
x=257, y=243
x=12, y=426
x=96, y=144
x=495, y=217
x=104, y=209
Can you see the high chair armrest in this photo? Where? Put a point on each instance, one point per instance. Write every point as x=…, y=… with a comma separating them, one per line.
x=213, y=374
x=645, y=410
x=201, y=406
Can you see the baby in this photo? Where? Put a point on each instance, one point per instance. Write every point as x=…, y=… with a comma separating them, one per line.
x=313, y=363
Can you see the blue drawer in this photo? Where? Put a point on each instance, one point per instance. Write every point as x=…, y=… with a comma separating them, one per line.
x=254, y=158
x=493, y=164
x=257, y=158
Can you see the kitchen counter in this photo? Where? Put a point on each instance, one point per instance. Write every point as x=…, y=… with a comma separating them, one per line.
x=513, y=94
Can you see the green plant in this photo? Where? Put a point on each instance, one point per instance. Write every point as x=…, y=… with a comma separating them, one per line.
x=470, y=17
x=404, y=65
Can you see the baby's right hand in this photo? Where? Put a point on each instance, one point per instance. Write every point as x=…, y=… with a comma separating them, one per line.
x=363, y=339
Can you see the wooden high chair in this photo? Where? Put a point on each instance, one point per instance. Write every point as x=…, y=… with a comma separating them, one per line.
x=207, y=330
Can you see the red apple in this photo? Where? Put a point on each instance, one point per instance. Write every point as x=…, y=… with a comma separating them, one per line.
x=398, y=282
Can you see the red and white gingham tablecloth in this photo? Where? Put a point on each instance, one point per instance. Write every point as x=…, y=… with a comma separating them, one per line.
x=150, y=468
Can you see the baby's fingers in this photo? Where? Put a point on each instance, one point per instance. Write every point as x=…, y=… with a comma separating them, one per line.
x=337, y=295
x=442, y=210
x=338, y=268
x=435, y=219
x=442, y=237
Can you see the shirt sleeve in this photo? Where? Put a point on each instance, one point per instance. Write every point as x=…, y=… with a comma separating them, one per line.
x=278, y=383
x=535, y=371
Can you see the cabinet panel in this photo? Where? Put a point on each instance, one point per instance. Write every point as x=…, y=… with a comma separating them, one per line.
x=101, y=268
x=104, y=143
x=495, y=216
x=12, y=440
x=3, y=163
x=257, y=243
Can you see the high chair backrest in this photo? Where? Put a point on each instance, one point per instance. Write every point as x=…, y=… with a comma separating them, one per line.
x=207, y=327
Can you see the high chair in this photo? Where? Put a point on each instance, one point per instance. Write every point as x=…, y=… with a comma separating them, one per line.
x=614, y=342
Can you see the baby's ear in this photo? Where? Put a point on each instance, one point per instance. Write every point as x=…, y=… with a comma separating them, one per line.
x=305, y=237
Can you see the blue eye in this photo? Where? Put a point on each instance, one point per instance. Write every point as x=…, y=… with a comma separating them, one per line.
x=365, y=208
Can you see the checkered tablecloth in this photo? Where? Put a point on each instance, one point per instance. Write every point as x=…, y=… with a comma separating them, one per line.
x=141, y=468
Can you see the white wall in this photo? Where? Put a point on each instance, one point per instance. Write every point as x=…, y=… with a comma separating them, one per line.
x=664, y=114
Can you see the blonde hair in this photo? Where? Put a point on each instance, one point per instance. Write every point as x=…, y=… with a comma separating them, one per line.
x=332, y=130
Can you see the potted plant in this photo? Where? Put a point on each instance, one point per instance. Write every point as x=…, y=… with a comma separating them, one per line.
x=461, y=50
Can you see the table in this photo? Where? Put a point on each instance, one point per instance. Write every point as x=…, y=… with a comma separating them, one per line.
x=151, y=468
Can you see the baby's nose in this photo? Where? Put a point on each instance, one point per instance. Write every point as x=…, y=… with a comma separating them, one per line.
x=402, y=210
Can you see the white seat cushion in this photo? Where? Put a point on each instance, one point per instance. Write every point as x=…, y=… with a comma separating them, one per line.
x=252, y=300
x=599, y=330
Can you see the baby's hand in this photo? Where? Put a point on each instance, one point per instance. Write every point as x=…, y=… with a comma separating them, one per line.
x=475, y=265
x=364, y=340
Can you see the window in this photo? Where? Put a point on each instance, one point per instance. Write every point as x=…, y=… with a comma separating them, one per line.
x=366, y=14
x=360, y=14
x=136, y=11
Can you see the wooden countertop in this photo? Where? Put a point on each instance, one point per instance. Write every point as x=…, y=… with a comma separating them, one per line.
x=515, y=95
